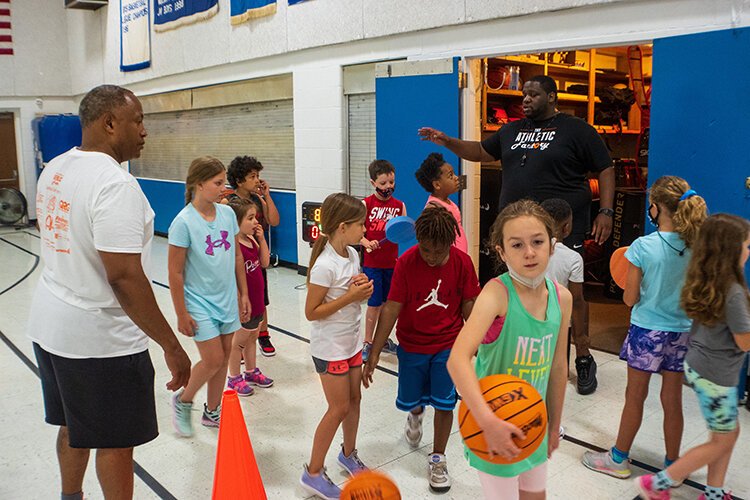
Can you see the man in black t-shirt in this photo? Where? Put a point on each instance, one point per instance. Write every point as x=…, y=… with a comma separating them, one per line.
x=546, y=155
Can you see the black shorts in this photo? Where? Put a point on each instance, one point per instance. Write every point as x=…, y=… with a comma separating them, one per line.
x=253, y=323
x=265, y=285
x=104, y=402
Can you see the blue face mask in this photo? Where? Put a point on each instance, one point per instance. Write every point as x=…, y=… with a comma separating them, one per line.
x=385, y=193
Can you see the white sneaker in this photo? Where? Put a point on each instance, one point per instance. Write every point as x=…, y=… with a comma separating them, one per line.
x=440, y=481
x=413, y=429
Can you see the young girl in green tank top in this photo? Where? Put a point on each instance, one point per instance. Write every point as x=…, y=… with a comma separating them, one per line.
x=519, y=326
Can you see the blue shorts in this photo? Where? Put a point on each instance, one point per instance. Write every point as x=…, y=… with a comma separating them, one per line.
x=209, y=328
x=381, y=281
x=718, y=403
x=654, y=351
x=423, y=379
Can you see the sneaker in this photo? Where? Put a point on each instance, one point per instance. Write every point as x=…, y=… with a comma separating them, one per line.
x=413, y=429
x=352, y=463
x=390, y=347
x=266, y=347
x=238, y=385
x=211, y=418
x=181, y=419
x=256, y=378
x=647, y=491
x=586, y=370
x=726, y=496
x=366, y=348
x=320, y=485
x=604, y=463
x=440, y=481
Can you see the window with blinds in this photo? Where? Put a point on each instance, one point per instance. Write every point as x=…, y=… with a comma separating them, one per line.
x=361, y=110
x=261, y=129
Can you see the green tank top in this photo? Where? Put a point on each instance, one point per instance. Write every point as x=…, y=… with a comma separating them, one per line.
x=525, y=348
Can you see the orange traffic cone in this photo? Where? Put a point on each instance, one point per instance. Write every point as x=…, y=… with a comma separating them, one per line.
x=236, y=474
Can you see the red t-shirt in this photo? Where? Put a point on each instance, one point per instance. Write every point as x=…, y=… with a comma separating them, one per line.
x=430, y=299
x=378, y=213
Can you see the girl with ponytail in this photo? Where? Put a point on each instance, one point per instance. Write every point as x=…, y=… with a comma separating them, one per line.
x=206, y=269
x=657, y=339
x=335, y=290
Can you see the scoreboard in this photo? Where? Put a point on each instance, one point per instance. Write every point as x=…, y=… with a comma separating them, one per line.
x=311, y=223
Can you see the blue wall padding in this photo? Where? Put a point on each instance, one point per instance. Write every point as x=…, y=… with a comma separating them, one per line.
x=168, y=198
x=403, y=105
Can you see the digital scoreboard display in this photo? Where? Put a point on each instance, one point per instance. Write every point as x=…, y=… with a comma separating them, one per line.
x=311, y=223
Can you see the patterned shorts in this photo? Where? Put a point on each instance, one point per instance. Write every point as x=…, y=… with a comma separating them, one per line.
x=654, y=350
x=718, y=403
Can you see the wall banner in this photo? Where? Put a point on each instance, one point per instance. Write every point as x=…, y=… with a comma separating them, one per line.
x=244, y=10
x=135, y=35
x=171, y=14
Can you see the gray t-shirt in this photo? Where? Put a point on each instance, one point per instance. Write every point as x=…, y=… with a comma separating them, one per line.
x=712, y=351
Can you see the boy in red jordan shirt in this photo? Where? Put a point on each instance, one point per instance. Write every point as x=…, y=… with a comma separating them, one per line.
x=433, y=290
x=379, y=258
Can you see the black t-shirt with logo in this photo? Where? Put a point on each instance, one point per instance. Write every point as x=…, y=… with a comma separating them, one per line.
x=559, y=152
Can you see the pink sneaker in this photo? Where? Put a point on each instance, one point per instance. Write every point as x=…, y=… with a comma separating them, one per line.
x=255, y=377
x=238, y=384
x=645, y=487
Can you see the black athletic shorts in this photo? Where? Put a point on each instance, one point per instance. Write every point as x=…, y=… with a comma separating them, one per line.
x=265, y=285
x=104, y=402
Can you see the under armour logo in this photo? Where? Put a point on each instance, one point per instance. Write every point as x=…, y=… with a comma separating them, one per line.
x=210, y=245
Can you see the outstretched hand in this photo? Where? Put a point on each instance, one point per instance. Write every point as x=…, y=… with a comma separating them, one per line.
x=433, y=135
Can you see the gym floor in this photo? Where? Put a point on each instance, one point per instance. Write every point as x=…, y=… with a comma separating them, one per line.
x=281, y=420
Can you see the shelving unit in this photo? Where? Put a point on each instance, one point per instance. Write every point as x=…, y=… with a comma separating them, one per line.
x=587, y=69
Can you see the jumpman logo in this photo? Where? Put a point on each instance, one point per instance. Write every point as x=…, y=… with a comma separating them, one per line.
x=210, y=245
x=432, y=299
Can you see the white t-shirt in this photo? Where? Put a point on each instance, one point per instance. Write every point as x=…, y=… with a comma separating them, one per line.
x=565, y=266
x=337, y=336
x=85, y=203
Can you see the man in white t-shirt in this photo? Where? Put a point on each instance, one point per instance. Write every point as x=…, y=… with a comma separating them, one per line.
x=93, y=310
x=566, y=267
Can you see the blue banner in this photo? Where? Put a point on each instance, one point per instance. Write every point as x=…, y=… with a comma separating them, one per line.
x=244, y=10
x=171, y=14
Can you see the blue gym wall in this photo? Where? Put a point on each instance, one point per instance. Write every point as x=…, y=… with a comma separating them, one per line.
x=700, y=116
x=168, y=198
x=403, y=105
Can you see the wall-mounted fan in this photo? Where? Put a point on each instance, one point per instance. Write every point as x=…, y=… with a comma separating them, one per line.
x=12, y=206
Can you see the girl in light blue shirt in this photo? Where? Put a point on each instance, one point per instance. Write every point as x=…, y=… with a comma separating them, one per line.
x=206, y=269
x=658, y=334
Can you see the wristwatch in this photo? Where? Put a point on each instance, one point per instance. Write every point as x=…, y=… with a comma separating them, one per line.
x=607, y=211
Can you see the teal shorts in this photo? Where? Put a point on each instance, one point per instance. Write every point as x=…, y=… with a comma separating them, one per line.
x=209, y=328
x=718, y=403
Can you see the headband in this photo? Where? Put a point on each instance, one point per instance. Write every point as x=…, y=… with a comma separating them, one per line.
x=687, y=194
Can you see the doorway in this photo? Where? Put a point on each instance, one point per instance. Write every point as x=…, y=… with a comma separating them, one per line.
x=594, y=84
x=8, y=157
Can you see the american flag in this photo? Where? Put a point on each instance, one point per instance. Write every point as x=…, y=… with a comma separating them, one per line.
x=6, y=39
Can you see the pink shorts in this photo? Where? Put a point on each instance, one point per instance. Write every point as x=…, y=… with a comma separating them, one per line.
x=340, y=367
x=507, y=488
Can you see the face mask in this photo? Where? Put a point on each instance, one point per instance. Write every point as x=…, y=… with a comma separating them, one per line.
x=653, y=220
x=532, y=283
x=385, y=193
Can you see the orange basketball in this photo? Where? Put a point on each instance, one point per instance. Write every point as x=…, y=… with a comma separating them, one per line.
x=618, y=267
x=514, y=400
x=370, y=485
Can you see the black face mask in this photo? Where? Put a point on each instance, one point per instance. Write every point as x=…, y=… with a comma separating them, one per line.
x=653, y=220
x=385, y=193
